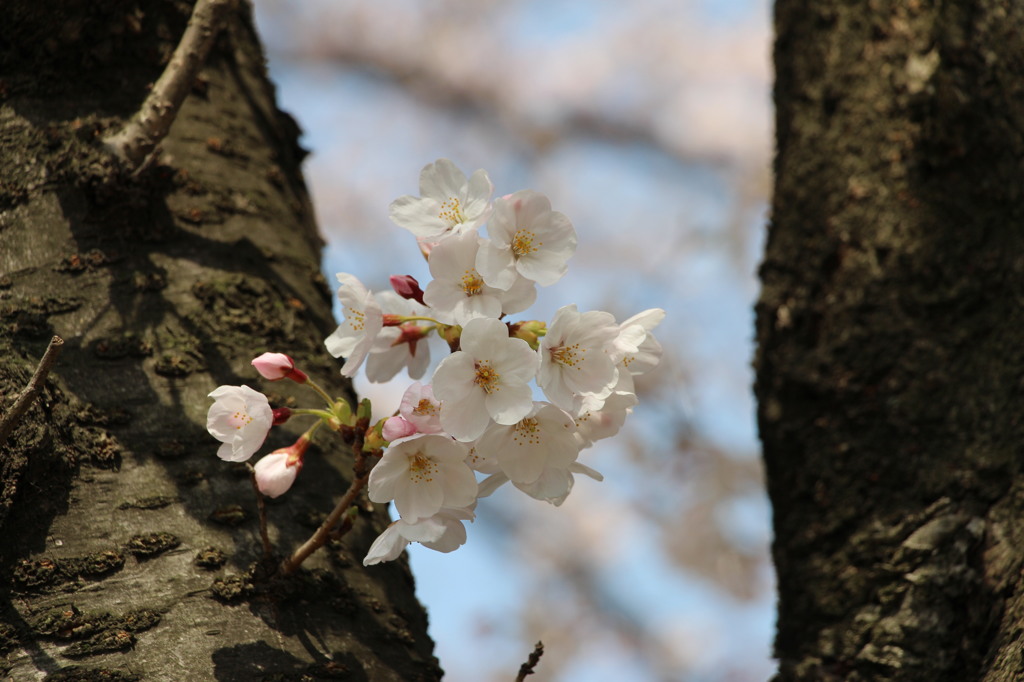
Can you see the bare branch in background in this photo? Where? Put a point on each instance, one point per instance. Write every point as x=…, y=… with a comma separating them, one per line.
x=531, y=663
x=140, y=136
x=35, y=385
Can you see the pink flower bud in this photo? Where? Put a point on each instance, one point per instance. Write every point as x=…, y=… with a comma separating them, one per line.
x=276, y=472
x=277, y=366
x=397, y=427
x=407, y=287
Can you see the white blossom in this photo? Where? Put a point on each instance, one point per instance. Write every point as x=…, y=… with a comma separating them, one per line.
x=448, y=202
x=398, y=347
x=422, y=474
x=543, y=438
x=577, y=356
x=421, y=408
x=597, y=419
x=526, y=238
x=643, y=356
x=364, y=320
x=457, y=293
x=240, y=418
x=487, y=379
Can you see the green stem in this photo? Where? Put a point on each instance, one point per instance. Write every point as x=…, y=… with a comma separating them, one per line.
x=323, y=414
x=323, y=394
x=416, y=318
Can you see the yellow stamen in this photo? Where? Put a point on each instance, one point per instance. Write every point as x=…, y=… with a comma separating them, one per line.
x=522, y=243
x=425, y=408
x=421, y=468
x=356, y=319
x=569, y=356
x=242, y=417
x=471, y=283
x=451, y=211
x=486, y=378
x=526, y=432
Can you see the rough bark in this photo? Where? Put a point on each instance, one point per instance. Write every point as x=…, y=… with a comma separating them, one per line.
x=891, y=340
x=126, y=546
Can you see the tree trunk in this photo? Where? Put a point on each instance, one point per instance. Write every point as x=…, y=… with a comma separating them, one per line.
x=127, y=544
x=891, y=340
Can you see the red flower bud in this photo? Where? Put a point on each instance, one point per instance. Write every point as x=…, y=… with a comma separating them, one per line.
x=407, y=287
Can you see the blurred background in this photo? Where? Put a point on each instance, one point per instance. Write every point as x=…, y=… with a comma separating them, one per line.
x=648, y=124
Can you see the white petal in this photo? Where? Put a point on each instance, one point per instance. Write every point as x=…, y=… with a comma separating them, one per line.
x=496, y=265
x=419, y=500
x=424, y=530
x=510, y=403
x=387, y=547
x=520, y=296
x=466, y=418
x=453, y=378
x=419, y=216
x=453, y=538
x=442, y=179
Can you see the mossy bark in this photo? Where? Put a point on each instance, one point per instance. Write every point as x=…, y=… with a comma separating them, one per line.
x=125, y=544
x=891, y=340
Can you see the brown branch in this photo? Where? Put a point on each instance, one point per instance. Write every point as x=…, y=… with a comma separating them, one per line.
x=531, y=663
x=150, y=124
x=323, y=533
x=35, y=385
x=261, y=508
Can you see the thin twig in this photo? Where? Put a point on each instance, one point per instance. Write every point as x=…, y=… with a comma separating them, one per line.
x=531, y=663
x=137, y=139
x=323, y=533
x=261, y=508
x=35, y=385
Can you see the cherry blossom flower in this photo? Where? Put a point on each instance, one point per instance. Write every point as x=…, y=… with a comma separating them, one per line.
x=458, y=294
x=422, y=474
x=528, y=238
x=448, y=202
x=398, y=347
x=276, y=472
x=597, y=419
x=443, y=532
x=643, y=356
x=240, y=418
x=364, y=319
x=488, y=379
x=277, y=366
x=421, y=408
x=543, y=438
x=576, y=356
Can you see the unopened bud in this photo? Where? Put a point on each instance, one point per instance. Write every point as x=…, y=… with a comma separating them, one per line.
x=397, y=427
x=407, y=287
x=529, y=331
x=277, y=366
x=276, y=472
x=452, y=334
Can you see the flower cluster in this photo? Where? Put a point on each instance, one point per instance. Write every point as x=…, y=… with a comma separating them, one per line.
x=478, y=413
